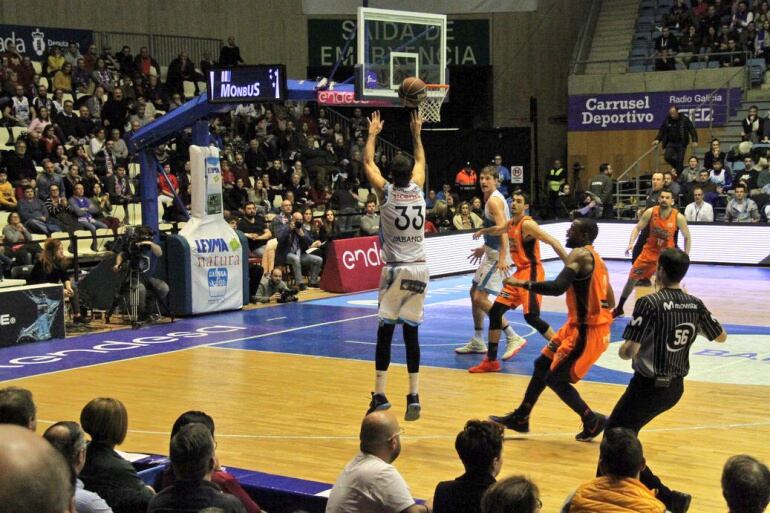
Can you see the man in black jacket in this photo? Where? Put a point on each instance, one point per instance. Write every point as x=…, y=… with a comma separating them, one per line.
x=193, y=460
x=230, y=55
x=480, y=447
x=675, y=134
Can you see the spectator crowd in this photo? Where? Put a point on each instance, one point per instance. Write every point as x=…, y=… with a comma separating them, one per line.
x=75, y=475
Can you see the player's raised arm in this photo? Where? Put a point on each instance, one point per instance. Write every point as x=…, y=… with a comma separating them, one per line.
x=638, y=227
x=533, y=229
x=373, y=173
x=418, y=171
x=681, y=223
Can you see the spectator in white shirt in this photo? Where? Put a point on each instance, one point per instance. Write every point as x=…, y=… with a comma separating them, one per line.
x=699, y=210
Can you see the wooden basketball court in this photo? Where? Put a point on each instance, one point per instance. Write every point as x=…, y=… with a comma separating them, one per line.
x=288, y=386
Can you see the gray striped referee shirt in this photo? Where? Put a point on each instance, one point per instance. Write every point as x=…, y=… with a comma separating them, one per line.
x=666, y=324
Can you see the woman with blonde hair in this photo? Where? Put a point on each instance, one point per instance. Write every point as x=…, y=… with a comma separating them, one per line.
x=52, y=267
x=465, y=219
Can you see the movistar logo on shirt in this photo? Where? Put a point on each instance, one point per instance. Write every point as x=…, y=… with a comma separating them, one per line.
x=669, y=305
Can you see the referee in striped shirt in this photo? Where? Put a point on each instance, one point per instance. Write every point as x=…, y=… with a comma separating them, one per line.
x=657, y=341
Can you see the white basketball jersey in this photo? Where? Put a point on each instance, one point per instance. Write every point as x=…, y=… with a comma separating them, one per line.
x=493, y=241
x=402, y=224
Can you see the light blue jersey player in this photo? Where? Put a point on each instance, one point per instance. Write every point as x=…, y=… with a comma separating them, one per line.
x=404, y=278
x=493, y=267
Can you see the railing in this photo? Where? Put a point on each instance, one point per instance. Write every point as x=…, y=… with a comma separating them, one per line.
x=622, y=65
x=634, y=193
x=585, y=38
x=163, y=48
x=384, y=147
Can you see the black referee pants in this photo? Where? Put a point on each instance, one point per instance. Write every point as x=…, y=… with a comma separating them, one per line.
x=640, y=403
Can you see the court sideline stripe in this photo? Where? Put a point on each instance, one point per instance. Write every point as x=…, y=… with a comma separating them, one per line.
x=212, y=344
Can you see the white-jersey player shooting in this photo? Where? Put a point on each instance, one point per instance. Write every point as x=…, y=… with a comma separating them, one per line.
x=493, y=268
x=404, y=277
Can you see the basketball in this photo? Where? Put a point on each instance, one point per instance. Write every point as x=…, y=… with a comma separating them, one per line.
x=412, y=92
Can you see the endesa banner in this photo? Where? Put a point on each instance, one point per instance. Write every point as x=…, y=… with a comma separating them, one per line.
x=346, y=99
x=36, y=41
x=352, y=265
x=645, y=111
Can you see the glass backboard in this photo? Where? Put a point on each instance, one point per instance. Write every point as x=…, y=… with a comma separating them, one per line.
x=393, y=45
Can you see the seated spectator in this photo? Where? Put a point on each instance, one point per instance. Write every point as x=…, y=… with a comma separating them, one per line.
x=301, y=193
x=18, y=241
x=101, y=201
x=566, y=201
x=50, y=141
x=106, y=472
x=220, y=477
x=63, y=78
x=464, y=219
x=440, y=217
x=70, y=128
x=370, y=221
x=329, y=227
x=476, y=207
x=699, y=210
x=430, y=199
x=259, y=196
x=451, y=205
x=72, y=54
x=168, y=187
x=86, y=212
x=734, y=56
x=193, y=459
x=480, y=447
x=17, y=407
x=273, y=289
x=746, y=484
x=666, y=47
x=741, y=209
x=589, y=206
x=720, y=176
x=7, y=193
x=52, y=267
x=763, y=176
x=81, y=78
x=71, y=179
x=119, y=189
x=34, y=215
x=115, y=111
x=41, y=121
x=446, y=190
x=35, y=476
x=103, y=78
x=47, y=178
x=673, y=185
x=235, y=198
x=618, y=489
x=119, y=148
x=19, y=164
x=369, y=482
x=59, y=210
x=748, y=175
x=254, y=226
x=54, y=61
x=752, y=125
x=68, y=438
x=20, y=104
x=144, y=62
x=293, y=243
x=515, y=494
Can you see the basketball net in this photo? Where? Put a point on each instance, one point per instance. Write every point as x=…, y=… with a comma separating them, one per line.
x=430, y=107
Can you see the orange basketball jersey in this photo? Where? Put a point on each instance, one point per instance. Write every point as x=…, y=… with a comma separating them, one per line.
x=524, y=253
x=587, y=297
x=662, y=231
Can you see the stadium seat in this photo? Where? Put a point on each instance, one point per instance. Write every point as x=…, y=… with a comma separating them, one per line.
x=202, y=87
x=4, y=218
x=134, y=214
x=133, y=170
x=5, y=139
x=738, y=166
x=18, y=131
x=68, y=96
x=637, y=68
x=84, y=243
x=38, y=67
x=44, y=81
x=165, y=227
x=363, y=193
x=104, y=235
x=277, y=201
x=713, y=64
x=697, y=65
x=188, y=88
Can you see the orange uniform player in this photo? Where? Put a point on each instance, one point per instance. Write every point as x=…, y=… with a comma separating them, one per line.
x=584, y=337
x=520, y=238
x=663, y=221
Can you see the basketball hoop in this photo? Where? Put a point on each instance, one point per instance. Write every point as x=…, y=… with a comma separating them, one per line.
x=430, y=108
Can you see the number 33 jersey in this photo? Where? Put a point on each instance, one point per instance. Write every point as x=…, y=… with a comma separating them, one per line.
x=402, y=224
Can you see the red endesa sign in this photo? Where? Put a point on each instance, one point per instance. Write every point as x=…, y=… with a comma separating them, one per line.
x=352, y=265
x=347, y=98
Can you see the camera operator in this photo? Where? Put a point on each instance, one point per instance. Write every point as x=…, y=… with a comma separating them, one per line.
x=274, y=289
x=134, y=249
x=293, y=244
